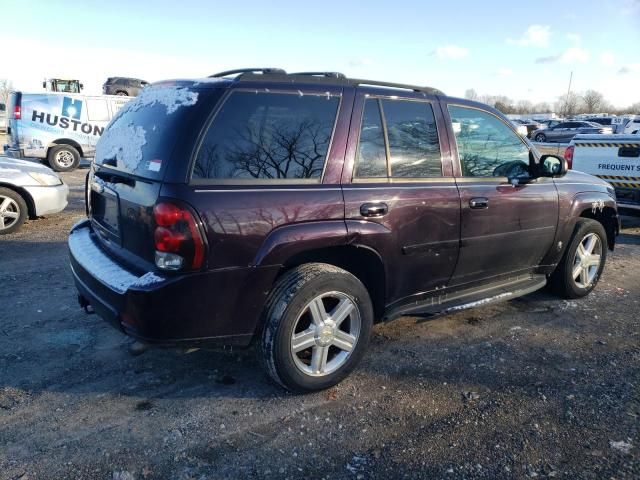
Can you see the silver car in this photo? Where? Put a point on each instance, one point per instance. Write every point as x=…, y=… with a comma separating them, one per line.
x=28, y=189
x=565, y=131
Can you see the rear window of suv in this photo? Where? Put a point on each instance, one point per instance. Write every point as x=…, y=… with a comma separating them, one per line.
x=142, y=135
x=267, y=137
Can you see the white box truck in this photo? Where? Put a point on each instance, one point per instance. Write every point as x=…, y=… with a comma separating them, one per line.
x=58, y=127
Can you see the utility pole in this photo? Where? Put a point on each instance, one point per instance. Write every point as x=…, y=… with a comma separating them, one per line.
x=566, y=103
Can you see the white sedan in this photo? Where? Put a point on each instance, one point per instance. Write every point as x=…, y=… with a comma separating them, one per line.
x=28, y=189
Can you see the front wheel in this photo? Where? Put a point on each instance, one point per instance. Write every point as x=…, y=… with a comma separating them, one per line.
x=13, y=211
x=317, y=323
x=63, y=158
x=541, y=137
x=583, y=262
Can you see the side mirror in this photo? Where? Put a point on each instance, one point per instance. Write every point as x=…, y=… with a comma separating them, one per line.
x=553, y=166
x=44, y=84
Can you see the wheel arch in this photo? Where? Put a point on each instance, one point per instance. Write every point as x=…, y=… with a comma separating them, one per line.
x=608, y=217
x=65, y=141
x=31, y=206
x=362, y=262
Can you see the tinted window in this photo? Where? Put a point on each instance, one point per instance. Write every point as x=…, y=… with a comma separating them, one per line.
x=268, y=136
x=487, y=147
x=371, y=160
x=413, y=139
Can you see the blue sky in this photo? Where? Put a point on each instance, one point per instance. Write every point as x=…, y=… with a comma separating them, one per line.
x=525, y=50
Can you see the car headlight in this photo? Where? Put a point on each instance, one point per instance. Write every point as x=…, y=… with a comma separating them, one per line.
x=45, y=179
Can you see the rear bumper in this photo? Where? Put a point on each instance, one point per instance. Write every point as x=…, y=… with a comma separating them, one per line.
x=14, y=153
x=196, y=308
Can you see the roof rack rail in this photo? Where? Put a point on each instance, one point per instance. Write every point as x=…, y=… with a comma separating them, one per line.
x=238, y=71
x=403, y=86
x=321, y=74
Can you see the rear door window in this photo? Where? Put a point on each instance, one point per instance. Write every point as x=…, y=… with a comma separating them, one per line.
x=404, y=145
x=267, y=137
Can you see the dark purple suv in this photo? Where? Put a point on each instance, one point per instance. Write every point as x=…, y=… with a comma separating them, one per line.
x=292, y=211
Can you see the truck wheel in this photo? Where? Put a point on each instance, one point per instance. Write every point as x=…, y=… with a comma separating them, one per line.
x=122, y=94
x=541, y=137
x=317, y=322
x=583, y=262
x=13, y=211
x=63, y=158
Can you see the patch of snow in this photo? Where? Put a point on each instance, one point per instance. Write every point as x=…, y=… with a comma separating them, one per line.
x=622, y=446
x=93, y=259
x=479, y=302
x=147, y=279
x=124, y=143
x=97, y=263
x=170, y=96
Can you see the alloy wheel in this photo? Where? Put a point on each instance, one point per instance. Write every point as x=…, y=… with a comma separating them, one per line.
x=64, y=158
x=325, y=333
x=9, y=212
x=586, y=261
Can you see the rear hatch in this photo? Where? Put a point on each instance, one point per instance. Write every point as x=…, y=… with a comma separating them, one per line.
x=133, y=159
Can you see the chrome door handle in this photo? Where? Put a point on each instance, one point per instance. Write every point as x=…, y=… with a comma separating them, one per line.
x=479, y=202
x=373, y=209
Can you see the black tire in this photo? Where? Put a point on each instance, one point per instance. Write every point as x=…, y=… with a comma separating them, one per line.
x=288, y=302
x=122, y=93
x=15, y=205
x=63, y=158
x=540, y=137
x=562, y=281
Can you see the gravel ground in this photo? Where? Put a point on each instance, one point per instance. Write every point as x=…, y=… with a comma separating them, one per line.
x=535, y=387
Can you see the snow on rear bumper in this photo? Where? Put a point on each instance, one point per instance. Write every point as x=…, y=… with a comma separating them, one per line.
x=85, y=250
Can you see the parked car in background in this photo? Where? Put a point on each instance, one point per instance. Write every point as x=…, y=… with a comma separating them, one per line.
x=565, y=131
x=28, y=190
x=549, y=123
x=616, y=123
x=632, y=127
x=124, y=86
x=292, y=211
x=530, y=126
x=58, y=127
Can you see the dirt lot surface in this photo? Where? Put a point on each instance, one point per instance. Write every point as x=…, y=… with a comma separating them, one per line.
x=536, y=387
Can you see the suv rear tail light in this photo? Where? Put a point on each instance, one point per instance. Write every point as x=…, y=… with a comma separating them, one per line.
x=177, y=238
x=568, y=155
x=17, y=112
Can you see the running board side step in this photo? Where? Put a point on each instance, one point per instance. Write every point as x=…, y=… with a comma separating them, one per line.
x=470, y=298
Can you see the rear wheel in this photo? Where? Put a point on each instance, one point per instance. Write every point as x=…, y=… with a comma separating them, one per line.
x=317, y=323
x=583, y=262
x=63, y=158
x=13, y=211
x=541, y=137
x=120, y=93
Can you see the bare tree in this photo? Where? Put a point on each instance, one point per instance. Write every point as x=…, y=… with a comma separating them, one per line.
x=5, y=87
x=471, y=94
x=593, y=101
x=568, y=104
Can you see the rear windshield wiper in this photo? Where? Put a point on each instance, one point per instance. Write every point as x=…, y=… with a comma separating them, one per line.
x=113, y=177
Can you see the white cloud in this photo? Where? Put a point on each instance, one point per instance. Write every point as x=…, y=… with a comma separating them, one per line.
x=453, y=52
x=574, y=38
x=575, y=55
x=505, y=72
x=535, y=36
x=607, y=59
x=570, y=55
x=360, y=62
x=631, y=68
